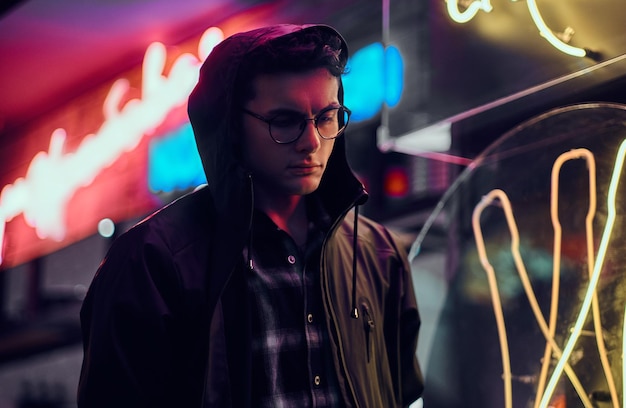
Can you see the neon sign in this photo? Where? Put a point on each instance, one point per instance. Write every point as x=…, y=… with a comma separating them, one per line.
x=53, y=177
x=472, y=7
x=595, y=264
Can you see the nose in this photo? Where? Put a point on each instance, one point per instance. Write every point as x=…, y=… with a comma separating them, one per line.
x=310, y=140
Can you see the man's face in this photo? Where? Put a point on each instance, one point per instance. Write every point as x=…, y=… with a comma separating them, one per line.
x=295, y=168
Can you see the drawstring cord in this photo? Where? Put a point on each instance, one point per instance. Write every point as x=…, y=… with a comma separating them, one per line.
x=355, y=310
x=250, y=264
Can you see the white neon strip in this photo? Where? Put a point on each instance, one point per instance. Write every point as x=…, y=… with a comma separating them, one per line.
x=547, y=33
x=597, y=319
x=593, y=282
x=475, y=6
x=506, y=205
x=469, y=13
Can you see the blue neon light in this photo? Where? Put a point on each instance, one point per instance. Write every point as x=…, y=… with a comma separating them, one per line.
x=174, y=162
x=369, y=84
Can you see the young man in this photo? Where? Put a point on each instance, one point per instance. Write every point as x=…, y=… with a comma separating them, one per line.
x=266, y=288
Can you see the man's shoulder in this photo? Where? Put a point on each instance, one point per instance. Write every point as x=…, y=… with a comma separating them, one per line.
x=179, y=223
x=190, y=209
x=374, y=233
x=366, y=224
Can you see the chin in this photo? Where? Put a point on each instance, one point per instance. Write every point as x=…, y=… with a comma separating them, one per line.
x=306, y=188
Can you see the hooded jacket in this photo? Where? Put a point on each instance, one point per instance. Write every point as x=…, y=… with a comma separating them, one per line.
x=165, y=322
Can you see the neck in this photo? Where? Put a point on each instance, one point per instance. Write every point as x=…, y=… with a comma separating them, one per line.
x=288, y=213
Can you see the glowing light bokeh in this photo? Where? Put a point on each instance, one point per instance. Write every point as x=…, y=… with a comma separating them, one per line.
x=375, y=77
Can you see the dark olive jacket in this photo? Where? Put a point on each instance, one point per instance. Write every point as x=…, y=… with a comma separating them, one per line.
x=165, y=322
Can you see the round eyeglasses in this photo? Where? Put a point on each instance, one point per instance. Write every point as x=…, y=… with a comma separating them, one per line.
x=287, y=127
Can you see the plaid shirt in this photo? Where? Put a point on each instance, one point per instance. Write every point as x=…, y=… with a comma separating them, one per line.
x=291, y=357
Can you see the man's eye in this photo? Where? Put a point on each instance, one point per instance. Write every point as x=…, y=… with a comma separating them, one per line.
x=286, y=121
x=328, y=117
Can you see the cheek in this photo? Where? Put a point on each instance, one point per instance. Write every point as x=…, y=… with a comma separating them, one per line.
x=259, y=153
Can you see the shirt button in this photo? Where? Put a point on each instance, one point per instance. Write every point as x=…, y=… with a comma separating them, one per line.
x=291, y=259
x=309, y=318
x=317, y=380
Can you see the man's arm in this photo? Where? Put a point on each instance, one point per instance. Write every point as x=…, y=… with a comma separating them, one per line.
x=133, y=331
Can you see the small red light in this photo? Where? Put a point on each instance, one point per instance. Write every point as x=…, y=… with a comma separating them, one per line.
x=396, y=183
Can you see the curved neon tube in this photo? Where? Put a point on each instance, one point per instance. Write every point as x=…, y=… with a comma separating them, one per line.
x=506, y=205
x=554, y=205
x=495, y=297
x=547, y=33
x=593, y=281
x=475, y=6
x=469, y=13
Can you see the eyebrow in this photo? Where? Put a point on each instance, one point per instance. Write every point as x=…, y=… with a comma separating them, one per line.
x=289, y=111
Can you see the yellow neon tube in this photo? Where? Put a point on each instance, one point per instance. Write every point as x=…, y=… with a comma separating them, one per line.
x=469, y=13
x=549, y=35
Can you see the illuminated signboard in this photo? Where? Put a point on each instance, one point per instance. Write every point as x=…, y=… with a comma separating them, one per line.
x=484, y=62
x=48, y=195
x=53, y=177
x=485, y=5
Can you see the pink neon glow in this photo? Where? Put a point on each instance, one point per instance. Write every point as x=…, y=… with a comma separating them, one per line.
x=42, y=201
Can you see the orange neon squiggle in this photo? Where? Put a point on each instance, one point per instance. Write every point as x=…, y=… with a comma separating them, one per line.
x=591, y=165
x=506, y=205
x=593, y=281
x=495, y=295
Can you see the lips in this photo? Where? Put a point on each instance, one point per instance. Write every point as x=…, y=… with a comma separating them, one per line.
x=304, y=168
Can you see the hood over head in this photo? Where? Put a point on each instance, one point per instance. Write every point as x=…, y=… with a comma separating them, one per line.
x=215, y=116
x=215, y=113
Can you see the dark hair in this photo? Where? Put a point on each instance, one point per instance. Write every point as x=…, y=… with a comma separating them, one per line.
x=292, y=53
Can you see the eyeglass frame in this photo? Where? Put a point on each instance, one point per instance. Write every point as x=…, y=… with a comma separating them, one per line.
x=304, y=120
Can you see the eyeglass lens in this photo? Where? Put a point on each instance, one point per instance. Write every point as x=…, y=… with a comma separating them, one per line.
x=288, y=128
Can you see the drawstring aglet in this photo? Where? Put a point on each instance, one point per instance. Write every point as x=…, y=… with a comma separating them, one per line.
x=355, y=313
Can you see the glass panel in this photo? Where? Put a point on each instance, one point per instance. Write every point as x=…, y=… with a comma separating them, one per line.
x=545, y=202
